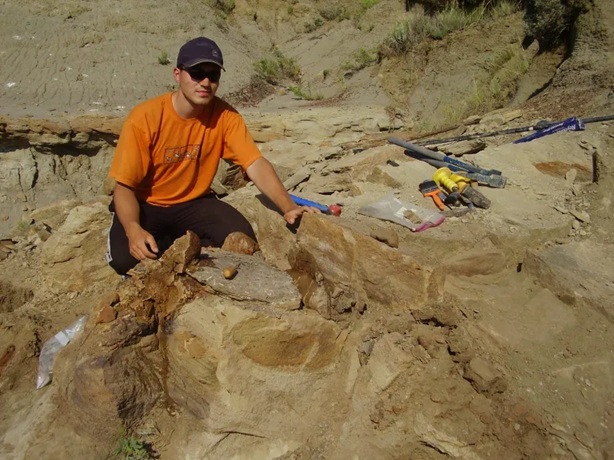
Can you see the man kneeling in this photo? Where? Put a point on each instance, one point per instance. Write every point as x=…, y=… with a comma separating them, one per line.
x=166, y=159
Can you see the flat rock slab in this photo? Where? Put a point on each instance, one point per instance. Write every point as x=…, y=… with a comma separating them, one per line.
x=578, y=272
x=255, y=280
x=541, y=319
x=531, y=316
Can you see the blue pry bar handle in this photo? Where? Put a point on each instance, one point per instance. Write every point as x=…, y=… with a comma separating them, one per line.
x=571, y=124
x=493, y=180
x=304, y=202
x=442, y=157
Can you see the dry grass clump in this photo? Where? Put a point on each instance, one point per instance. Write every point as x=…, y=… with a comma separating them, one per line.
x=504, y=68
x=277, y=68
x=420, y=25
x=360, y=59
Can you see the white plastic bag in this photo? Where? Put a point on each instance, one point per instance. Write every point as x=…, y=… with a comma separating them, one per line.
x=51, y=348
x=409, y=215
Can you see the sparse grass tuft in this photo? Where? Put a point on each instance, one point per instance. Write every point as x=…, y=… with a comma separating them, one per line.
x=366, y=4
x=130, y=448
x=405, y=35
x=277, y=69
x=419, y=26
x=226, y=6
x=305, y=93
x=452, y=19
x=504, y=69
x=313, y=25
x=359, y=10
x=77, y=10
x=504, y=82
x=220, y=19
x=360, y=59
x=504, y=8
x=332, y=12
x=163, y=58
x=22, y=227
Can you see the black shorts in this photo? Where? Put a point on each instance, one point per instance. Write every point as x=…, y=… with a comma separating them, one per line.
x=209, y=217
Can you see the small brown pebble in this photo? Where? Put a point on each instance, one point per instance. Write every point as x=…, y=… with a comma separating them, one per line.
x=230, y=272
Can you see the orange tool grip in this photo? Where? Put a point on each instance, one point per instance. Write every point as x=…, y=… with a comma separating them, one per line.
x=435, y=196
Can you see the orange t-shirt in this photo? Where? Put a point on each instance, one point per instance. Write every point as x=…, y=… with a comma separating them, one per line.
x=168, y=160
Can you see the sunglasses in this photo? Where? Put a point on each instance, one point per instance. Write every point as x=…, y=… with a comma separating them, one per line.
x=199, y=74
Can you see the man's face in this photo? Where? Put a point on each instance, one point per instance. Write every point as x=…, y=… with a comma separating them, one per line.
x=199, y=83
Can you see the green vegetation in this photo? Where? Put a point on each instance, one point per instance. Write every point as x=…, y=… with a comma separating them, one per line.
x=226, y=6
x=77, y=10
x=512, y=56
x=163, y=58
x=305, y=93
x=419, y=27
x=332, y=12
x=366, y=4
x=550, y=21
x=22, y=227
x=546, y=21
x=504, y=69
x=220, y=19
x=277, y=69
x=222, y=9
x=360, y=59
x=503, y=9
x=313, y=25
x=130, y=448
x=507, y=66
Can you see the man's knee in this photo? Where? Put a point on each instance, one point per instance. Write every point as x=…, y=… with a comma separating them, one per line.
x=243, y=225
x=123, y=264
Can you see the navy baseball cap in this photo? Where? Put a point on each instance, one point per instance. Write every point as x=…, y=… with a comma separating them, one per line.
x=199, y=50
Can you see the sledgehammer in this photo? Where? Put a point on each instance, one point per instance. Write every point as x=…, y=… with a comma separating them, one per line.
x=333, y=209
x=442, y=157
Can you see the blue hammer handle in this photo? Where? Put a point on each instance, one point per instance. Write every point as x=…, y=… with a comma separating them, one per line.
x=304, y=202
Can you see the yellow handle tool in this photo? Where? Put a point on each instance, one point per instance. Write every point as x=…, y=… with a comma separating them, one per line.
x=459, y=188
x=450, y=181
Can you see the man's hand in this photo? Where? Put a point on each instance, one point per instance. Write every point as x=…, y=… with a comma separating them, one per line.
x=142, y=244
x=263, y=175
x=297, y=212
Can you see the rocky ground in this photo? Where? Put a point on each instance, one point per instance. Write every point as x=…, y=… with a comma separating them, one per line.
x=488, y=336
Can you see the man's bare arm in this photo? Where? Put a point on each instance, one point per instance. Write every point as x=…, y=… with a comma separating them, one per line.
x=142, y=244
x=263, y=175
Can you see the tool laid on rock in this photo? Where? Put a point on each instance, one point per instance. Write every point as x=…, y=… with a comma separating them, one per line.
x=459, y=188
x=476, y=197
x=571, y=124
x=333, y=209
x=429, y=188
x=539, y=126
x=452, y=182
x=442, y=157
x=492, y=180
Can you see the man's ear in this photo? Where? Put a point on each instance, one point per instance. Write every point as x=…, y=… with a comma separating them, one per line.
x=176, y=72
